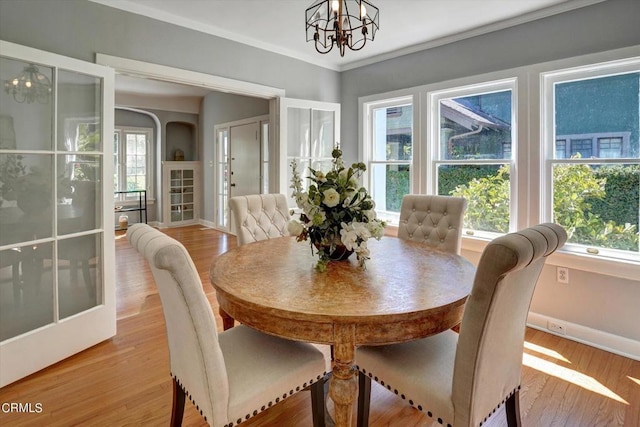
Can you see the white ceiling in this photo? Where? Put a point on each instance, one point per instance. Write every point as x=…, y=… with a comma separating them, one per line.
x=405, y=25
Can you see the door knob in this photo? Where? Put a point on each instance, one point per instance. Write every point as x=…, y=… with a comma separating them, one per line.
x=233, y=184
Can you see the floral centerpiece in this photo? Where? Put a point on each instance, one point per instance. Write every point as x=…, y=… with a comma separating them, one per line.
x=337, y=214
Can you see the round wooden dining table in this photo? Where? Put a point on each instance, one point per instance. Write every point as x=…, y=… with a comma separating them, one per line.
x=407, y=291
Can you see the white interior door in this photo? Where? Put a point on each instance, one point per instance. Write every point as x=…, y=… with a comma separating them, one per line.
x=57, y=290
x=245, y=147
x=307, y=133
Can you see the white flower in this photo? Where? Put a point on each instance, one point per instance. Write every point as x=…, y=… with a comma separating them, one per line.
x=294, y=228
x=376, y=229
x=370, y=214
x=349, y=237
x=331, y=197
x=322, y=211
x=318, y=217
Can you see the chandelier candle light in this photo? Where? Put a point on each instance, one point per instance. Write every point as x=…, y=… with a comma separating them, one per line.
x=29, y=86
x=341, y=23
x=337, y=214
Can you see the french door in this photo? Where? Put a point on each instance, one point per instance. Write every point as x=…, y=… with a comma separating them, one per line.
x=57, y=291
x=308, y=131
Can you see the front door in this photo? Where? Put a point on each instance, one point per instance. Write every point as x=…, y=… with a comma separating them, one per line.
x=57, y=289
x=244, y=143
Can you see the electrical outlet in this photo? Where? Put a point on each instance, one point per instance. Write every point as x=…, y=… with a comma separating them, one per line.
x=562, y=275
x=557, y=328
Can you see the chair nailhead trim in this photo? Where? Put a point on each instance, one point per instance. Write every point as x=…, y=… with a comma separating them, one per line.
x=429, y=413
x=255, y=412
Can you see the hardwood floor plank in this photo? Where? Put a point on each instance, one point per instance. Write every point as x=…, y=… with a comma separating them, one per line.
x=125, y=381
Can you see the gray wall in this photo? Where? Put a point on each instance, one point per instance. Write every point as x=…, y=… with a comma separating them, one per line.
x=218, y=108
x=80, y=29
x=604, y=26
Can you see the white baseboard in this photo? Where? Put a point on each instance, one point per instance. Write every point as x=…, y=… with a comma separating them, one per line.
x=603, y=340
x=204, y=222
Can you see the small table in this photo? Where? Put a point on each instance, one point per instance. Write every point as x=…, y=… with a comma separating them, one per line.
x=407, y=291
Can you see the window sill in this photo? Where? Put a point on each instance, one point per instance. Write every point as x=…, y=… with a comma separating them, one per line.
x=624, y=269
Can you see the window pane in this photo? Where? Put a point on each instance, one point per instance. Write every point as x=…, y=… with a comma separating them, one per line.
x=389, y=183
x=599, y=107
x=323, y=139
x=610, y=148
x=486, y=188
x=79, y=105
x=85, y=193
x=298, y=129
x=28, y=304
x=598, y=203
x=476, y=126
x=26, y=197
x=581, y=148
x=80, y=274
x=26, y=119
x=392, y=133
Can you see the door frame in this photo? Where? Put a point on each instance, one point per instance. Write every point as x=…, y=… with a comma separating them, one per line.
x=224, y=223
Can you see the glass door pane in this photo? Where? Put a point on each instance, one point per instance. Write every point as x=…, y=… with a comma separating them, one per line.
x=26, y=197
x=79, y=172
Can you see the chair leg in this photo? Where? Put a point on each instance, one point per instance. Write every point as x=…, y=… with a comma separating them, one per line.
x=227, y=321
x=177, y=410
x=364, y=399
x=318, y=403
x=512, y=409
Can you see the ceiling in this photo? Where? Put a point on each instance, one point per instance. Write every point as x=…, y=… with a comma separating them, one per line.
x=405, y=25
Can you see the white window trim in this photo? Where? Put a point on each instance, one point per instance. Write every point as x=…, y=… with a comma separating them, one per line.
x=547, y=146
x=132, y=200
x=529, y=159
x=434, y=156
x=367, y=145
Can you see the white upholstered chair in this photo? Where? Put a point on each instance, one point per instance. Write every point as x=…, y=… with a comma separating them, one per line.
x=434, y=220
x=459, y=380
x=229, y=376
x=259, y=217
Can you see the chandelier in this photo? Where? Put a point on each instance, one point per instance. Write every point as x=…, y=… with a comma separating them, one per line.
x=29, y=86
x=341, y=23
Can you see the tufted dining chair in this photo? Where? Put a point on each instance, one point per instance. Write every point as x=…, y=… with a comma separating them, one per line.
x=434, y=220
x=259, y=217
x=229, y=376
x=460, y=380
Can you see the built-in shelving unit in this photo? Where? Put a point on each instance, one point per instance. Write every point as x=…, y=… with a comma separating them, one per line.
x=181, y=192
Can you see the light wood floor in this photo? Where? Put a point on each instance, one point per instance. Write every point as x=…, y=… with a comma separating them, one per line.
x=125, y=381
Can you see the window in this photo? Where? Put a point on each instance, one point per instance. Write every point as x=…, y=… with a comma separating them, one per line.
x=606, y=145
x=311, y=140
x=390, y=155
x=523, y=146
x=472, y=154
x=593, y=169
x=132, y=159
